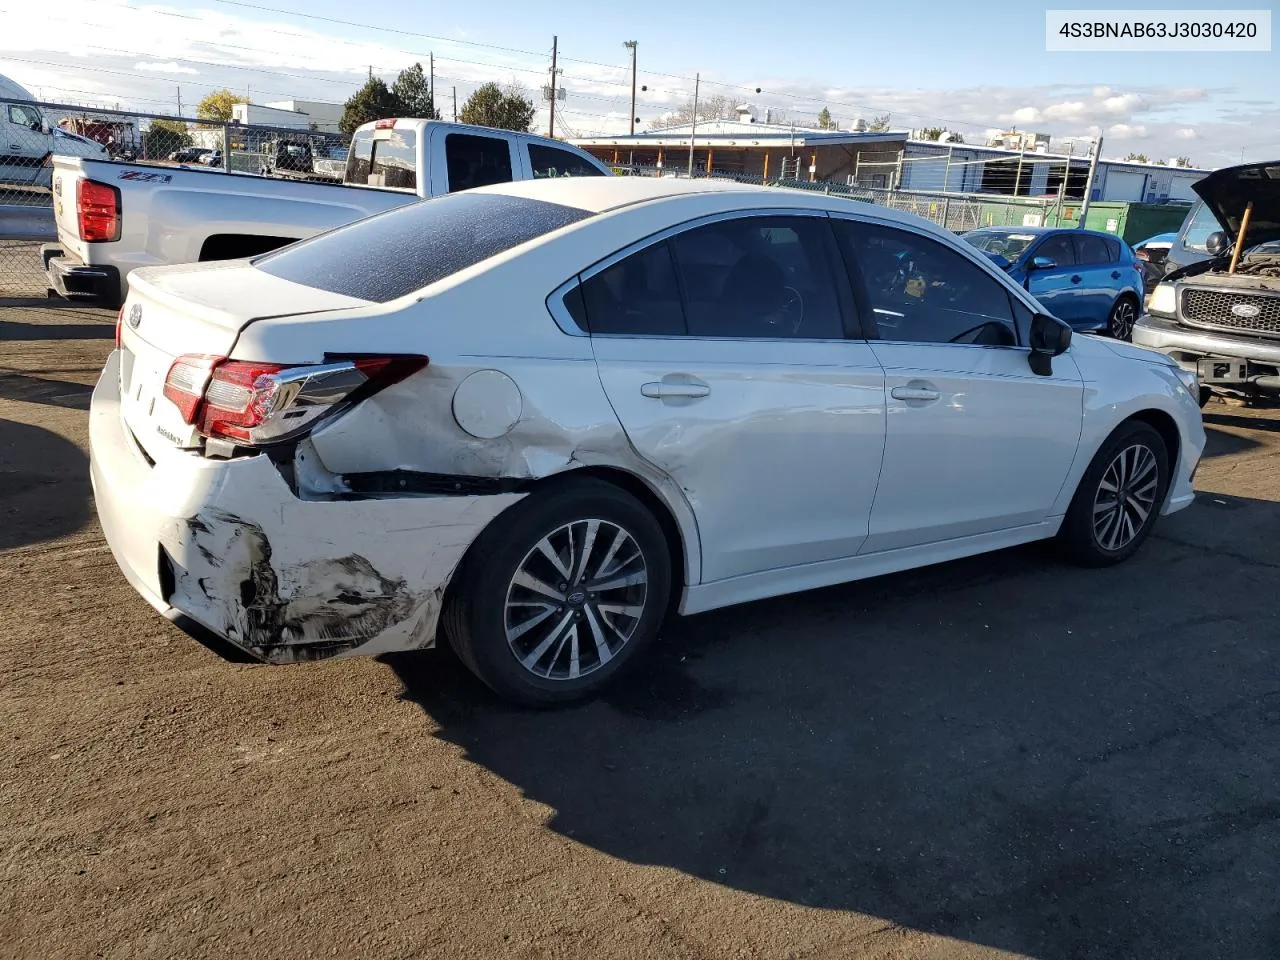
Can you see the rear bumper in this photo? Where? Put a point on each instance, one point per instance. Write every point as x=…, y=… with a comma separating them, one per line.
x=95, y=285
x=1256, y=365
x=226, y=551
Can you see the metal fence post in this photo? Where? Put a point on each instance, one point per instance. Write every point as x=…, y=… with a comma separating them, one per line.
x=946, y=213
x=226, y=146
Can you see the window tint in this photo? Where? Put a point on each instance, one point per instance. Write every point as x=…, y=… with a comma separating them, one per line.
x=922, y=291
x=759, y=277
x=475, y=161
x=552, y=162
x=405, y=249
x=1059, y=249
x=1092, y=250
x=637, y=295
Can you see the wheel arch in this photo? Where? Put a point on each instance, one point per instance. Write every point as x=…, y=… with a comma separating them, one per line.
x=1167, y=427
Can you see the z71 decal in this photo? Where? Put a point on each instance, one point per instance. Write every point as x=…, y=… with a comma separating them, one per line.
x=143, y=177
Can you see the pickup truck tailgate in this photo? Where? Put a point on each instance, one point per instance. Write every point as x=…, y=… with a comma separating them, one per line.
x=196, y=310
x=66, y=219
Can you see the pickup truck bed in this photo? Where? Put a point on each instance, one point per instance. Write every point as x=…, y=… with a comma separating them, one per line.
x=167, y=214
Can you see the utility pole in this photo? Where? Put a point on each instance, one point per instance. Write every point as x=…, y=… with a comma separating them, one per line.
x=455, y=104
x=1088, y=184
x=370, y=71
x=693, y=130
x=551, y=132
x=431, y=87
x=179, y=101
x=631, y=44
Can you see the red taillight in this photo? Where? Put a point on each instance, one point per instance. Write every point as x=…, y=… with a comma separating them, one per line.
x=255, y=403
x=386, y=124
x=119, y=320
x=98, y=207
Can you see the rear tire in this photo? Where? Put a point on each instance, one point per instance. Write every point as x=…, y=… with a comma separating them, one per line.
x=1124, y=314
x=1119, y=497
x=560, y=594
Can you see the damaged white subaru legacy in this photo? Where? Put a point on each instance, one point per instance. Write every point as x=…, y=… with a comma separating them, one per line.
x=536, y=418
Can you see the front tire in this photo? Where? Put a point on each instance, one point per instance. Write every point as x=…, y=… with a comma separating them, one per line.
x=1119, y=497
x=560, y=594
x=1124, y=314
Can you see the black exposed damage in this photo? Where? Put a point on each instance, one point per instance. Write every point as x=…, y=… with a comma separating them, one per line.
x=331, y=605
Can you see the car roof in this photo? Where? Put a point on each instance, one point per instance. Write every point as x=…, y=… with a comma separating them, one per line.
x=605, y=194
x=1041, y=231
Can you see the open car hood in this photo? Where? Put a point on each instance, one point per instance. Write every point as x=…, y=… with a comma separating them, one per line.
x=1228, y=191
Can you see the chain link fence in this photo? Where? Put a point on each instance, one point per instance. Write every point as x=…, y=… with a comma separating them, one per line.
x=34, y=133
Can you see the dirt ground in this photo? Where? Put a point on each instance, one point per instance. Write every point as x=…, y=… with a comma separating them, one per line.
x=999, y=757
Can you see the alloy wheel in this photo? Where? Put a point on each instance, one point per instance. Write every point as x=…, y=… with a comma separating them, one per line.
x=1122, y=319
x=1126, y=497
x=576, y=599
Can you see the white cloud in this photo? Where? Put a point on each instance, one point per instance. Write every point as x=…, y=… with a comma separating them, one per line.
x=1123, y=105
x=1125, y=131
x=1070, y=110
x=169, y=67
x=1026, y=115
x=1186, y=133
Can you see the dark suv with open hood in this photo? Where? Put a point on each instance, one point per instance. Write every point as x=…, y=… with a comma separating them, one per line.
x=1221, y=316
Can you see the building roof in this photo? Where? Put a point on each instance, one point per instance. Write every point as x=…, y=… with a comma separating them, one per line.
x=1030, y=155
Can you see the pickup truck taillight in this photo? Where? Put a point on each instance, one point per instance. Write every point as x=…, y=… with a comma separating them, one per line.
x=260, y=403
x=98, y=210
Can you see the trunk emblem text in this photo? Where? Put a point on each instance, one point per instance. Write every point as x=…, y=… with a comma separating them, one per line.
x=1246, y=310
x=135, y=316
x=145, y=177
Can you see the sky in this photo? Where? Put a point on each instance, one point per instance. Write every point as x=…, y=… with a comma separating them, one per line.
x=970, y=67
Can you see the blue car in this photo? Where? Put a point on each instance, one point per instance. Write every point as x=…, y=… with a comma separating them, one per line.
x=1089, y=279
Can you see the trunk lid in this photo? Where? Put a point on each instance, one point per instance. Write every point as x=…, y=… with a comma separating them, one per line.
x=195, y=309
x=1229, y=191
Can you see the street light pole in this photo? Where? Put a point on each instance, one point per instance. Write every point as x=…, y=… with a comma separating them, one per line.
x=1088, y=184
x=631, y=45
x=693, y=130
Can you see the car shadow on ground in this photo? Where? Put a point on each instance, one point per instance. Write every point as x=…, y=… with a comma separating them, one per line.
x=1007, y=750
x=44, y=485
x=14, y=332
x=57, y=393
x=1220, y=443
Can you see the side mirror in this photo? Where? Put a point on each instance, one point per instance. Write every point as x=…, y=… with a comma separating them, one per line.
x=1050, y=337
x=1043, y=263
x=1215, y=243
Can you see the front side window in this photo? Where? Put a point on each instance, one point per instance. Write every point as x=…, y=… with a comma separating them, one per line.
x=1203, y=223
x=476, y=161
x=1059, y=249
x=403, y=250
x=554, y=162
x=921, y=291
x=23, y=116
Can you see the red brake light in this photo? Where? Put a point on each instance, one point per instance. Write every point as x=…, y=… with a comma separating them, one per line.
x=98, y=209
x=119, y=320
x=254, y=403
x=386, y=124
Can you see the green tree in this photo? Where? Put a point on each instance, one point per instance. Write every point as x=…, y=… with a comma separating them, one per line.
x=955, y=138
x=1182, y=162
x=878, y=124
x=491, y=106
x=165, y=136
x=415, y=95
x=371, y=102
x=1138, y=158
x=217, y=105
x=824, y=120
x=932, y=133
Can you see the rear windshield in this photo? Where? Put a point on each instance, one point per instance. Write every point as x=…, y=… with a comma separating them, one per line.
x=395, y=253
x=385, y=160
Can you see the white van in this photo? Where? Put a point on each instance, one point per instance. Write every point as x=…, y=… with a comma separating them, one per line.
x=28, y=143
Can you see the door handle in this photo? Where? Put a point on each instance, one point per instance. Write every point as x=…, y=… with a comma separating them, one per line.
x=914, y=393
x=1076, y=278
x=664, y=390
x=1115, y=274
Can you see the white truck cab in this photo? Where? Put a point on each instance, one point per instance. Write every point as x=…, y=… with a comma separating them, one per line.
x=28, y=143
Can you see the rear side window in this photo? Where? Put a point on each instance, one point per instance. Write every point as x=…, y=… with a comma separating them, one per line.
x=1092, y=250
x=638, y=296
x=1113, y=250
x=553, y=162
x=395, y=253
x=475, y=161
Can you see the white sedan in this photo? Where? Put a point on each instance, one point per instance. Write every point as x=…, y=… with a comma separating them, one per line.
x=536, y=418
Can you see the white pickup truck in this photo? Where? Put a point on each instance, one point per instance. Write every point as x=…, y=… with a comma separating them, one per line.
x=113, y=218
